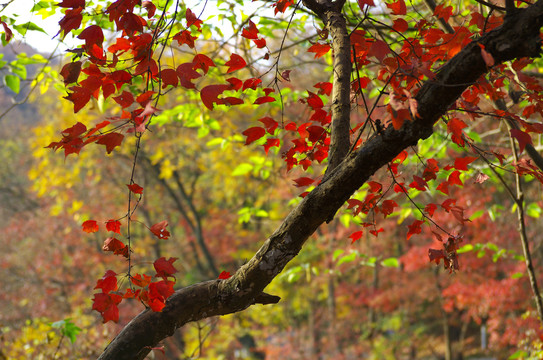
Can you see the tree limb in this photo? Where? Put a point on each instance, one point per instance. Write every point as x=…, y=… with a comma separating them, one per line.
x=517, y=37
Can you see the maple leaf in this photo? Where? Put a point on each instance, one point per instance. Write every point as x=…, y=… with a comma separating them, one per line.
x=487, y=57
x=193, y=20
x=319, y=49
x=263, y=100
x=108, y=282
x=7, y=31
x=135, y=188
x=159, y=230
x=185, y=37
x=522, y=138
x=116, y=246
x=414, y=228
x=325, y=88
x=260, y=43
x=400, y=25
x=71, y=4
x=114, y=226
x=462, y=163
x=106, y=304
x=71, y=20
x=481, y=178
x=90, y=226
x=250, y=32
x=430, y=209
x=224, y=275
x=454, y=178
x=92, y=35
x=455, y=127
x=314, y=101
x=303, y=181
x=70, y=72
x=186, y=73
x=398, y=7
x=203, y=62
x=436, y=255
x=80, y=96
x=253, y=133
x=164, y=268
x=168, y=77
x=210, y=94
x=111, y=141
x=251, y=83
x=151, y=8
x=271, y=143
x=236, y=62
x=356, y=236
x=140, y=281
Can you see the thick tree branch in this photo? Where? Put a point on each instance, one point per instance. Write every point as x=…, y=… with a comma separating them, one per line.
x=517, y=37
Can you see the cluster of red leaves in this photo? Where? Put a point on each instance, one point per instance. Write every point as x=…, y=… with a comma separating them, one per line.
x=152, y=293
x=77, y=136
x=448, y=253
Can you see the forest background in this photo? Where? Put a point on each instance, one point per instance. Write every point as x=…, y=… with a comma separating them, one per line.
x=427, y=260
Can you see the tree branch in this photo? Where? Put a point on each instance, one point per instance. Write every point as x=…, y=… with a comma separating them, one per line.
x=517, y=37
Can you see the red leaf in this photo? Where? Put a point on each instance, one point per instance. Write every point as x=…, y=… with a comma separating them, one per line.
x=169, y=77
x=140, y=281
x=286, y=75
x=260, y=43
x=164, y=268
x=379, y=49
x=193, y=20
x=203, y=62
x=90, y=226
x=400, y=25
x=251, y=83
x=356, y=236
x=398, y=8
x=254, y=133
x=186, y=74
x=71, y=3
x=70, y=72
x=314, y=100
x=375, y=186
x=263, y=100
x=114, y=226
x=319, y=49
x=454, y=178
x=269, y=123
x=481, y=178
x=224, y=275
x=430, y=209
x=455, y=127
x=443, y=187
x=236, y=62
x=436, y=255
x=235, y=82
x=414, y=228
x=303, y=181
x=108, y=282
x=250, y=32
x=159, y=229
x=111, y=141
x=185, y=37
x=71, y=20
x=135, y=188
x=388, y=207
x=125, y=99
x=151, y=8
x=522, y=138
x=106, y=304
x=92, y=35
x=362, y=3
x=210, y=94
x=487, y=57
x=7, y=31
x=325, y=88
x=80, y=97
x=462, y=163
x=116, y=246
x=271, y=143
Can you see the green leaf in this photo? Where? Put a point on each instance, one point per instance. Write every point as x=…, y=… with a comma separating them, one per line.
x=518, y=354
x=337, y=253
x=347, y=258
x=13, y=82
x=242, y=169
x=533, y=210
x=464, y=249
x=391, y=262
x=67, y=328
x=517, y=275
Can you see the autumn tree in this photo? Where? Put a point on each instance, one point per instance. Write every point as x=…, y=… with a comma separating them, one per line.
x=395, y=72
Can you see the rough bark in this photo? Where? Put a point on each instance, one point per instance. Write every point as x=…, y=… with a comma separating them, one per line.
x=518, y=37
